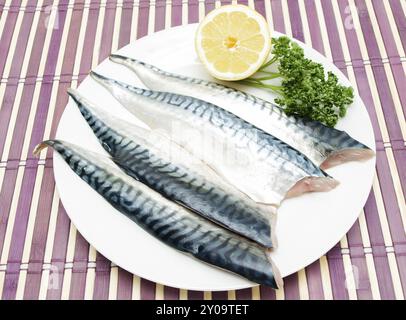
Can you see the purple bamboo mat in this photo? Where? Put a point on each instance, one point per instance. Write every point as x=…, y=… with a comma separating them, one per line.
x=48, y=46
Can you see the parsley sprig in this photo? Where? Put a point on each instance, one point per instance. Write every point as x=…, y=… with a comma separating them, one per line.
x=305, y=91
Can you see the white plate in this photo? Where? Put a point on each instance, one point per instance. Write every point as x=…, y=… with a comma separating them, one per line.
x=308, y=226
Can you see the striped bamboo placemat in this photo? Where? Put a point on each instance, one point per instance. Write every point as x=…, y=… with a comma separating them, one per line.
x=47, y=46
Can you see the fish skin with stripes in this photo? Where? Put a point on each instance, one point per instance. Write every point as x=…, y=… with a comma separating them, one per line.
x=325, y=146
x=169, y=222
x=191, y=183
x=258, y=164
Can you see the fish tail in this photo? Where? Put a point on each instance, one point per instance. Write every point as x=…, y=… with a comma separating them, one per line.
x=41, y=146
x=117, y=58
x=103, y=80
x=75, y=96
x=151, y=76
x=86, y=109
x=111, y=84
x=59, y=146
x=85, y=106
x=131, y=62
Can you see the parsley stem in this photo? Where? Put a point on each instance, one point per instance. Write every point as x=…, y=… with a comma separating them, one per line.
x=270, y=62
x=259, y=84
x=271, y=75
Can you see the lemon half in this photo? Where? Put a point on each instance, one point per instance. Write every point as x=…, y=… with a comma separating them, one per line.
x=233, y=42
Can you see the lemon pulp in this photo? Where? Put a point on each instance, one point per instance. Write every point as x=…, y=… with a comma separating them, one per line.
x=233, y=42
